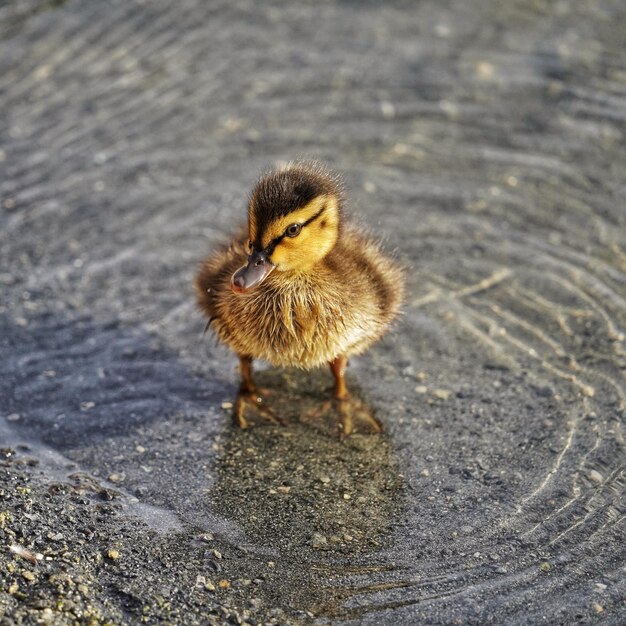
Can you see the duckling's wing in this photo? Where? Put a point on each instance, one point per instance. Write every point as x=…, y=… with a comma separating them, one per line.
x=214, y=274
x=371, y=275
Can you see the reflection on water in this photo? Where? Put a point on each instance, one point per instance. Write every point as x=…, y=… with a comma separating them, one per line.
x=316, y=504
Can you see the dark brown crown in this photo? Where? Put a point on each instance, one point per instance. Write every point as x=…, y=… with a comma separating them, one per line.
x=282, y=191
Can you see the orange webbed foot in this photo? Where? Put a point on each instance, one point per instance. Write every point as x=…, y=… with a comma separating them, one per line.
x=253, y=400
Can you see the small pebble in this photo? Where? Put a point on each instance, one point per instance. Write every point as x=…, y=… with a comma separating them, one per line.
x=369, y=186
x=85, y=406
x=545, y=566
x=227, y=405
x=598, y=608
x=596, y=477
x=485, y=70
x=224, y=584
x=325, y=479
x=28, y=575
x=589, y=391
x=112, y=554
x=421, y=389
x=424, y=472
x=13, y=417
x=27, y=555
x=116, y=478
x=442, y=394
x=140, y=449
x=388, y=110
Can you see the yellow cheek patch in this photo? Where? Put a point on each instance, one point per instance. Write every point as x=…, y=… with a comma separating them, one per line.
x=280, y=256
x=311, y=245
x=300, y=216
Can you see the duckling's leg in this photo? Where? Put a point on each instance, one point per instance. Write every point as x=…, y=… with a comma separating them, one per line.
x=249, y=395
x=349, y=408
x=338, y=369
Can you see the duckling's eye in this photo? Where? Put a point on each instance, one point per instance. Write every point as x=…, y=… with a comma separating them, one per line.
x=293, y=230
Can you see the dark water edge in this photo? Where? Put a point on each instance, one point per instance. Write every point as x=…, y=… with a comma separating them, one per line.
x=485, y=142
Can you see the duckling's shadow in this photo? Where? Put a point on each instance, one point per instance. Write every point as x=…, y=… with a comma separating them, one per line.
x=298, y=397
x=315, y=512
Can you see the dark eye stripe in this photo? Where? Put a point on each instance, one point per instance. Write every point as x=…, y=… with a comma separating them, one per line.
x=312, y=219
x=271, y=246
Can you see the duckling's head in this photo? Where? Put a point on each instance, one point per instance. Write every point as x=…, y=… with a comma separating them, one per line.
x=294, y=217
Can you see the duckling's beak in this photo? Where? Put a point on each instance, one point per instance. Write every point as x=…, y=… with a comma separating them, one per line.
x=257, y=270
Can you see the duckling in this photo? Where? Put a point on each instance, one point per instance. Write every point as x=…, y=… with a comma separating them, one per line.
x=301, y=288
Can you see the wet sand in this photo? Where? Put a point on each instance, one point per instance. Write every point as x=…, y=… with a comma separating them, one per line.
x=484, y=143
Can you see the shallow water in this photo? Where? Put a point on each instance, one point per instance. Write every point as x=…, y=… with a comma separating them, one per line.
x=484, y=141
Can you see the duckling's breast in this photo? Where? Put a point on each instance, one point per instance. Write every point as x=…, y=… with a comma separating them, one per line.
x=293, y=321
x=303, y=320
